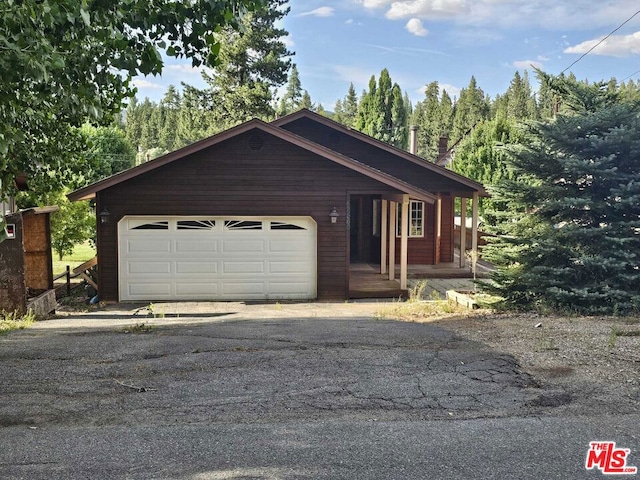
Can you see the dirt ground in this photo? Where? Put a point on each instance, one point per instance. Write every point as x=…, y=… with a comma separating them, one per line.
x=585, y=364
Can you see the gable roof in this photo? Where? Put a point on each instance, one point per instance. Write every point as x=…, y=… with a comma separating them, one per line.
x=383, y=177
x=402, y=154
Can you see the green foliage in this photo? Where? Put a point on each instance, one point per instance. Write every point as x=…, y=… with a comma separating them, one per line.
x=571, y=211
x=72, y=224
x=292, y=98
x=471, y=108
x=482, y=155
x=433, y=117
x=252, y=65
x=62, y=63
x=382, y=112
x=109, y=152
x=10, y=321
x=346, y=110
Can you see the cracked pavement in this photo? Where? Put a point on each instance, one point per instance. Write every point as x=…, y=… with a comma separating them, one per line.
x=263, y=370
x=293, y=391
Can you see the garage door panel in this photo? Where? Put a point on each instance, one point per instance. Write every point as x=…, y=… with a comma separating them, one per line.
x=255, y=268
x=152, y=290
x=148, y=246
x=196, y=246
x=196, y=267
x=149, y=268
x=244, y=288
x=193, y=258
x=196, y=290
x=288, y=267
x=243, y=246
x=282, y=288
x=288, y=245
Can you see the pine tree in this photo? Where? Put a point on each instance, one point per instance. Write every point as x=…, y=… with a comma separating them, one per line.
x=427, y=117
x=572, y=209
x=350, y=107
x=170, y=105
x=194, y=121
x=290, y=101
x=252, y=66
x=469, y=110
x=382, y=113
x=338, y=112
x=306, y=101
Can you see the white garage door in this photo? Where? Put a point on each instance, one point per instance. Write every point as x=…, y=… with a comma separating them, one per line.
x=202, y=258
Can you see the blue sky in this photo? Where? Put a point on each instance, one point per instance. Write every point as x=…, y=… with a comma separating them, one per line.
x=337, y=42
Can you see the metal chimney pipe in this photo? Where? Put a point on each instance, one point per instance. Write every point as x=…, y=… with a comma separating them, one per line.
x=413, y=139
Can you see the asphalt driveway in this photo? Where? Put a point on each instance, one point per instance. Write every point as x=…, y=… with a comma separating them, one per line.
x=109, y=377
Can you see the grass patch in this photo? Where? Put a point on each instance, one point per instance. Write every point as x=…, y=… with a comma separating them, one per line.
x=10, y=321
x=416, y=311
x=81, y=253
x=139, y=328
x=484, y=300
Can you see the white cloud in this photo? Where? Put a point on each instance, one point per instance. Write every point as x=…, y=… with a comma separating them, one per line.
x=349, y=22
x=614, y=46
x=288, y=41
x=142, y=83
x=415, y=26
x=319, y=12
x=427, y=9
x=451, y=90
x=184, y=68
x=549, y=14
x=375, y=3
x=527, y=64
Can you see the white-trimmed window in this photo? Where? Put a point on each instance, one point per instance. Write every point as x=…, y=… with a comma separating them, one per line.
x=416, y=219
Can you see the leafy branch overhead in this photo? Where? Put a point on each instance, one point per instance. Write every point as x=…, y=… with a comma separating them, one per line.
x=66, y=61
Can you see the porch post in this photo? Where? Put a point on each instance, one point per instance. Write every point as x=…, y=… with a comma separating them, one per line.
x=392, y=240
x=404, y=242
x=438, y=229
x=463, y=231
x=383, y=237
x=474, y=225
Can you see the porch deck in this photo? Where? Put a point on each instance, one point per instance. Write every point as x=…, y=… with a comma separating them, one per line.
x=367, y=282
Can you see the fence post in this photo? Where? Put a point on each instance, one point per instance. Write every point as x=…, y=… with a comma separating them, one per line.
x=68, y=281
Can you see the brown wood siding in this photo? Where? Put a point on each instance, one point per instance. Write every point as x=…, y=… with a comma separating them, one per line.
x=230, y=179
x=375, y=157
x=421, y=250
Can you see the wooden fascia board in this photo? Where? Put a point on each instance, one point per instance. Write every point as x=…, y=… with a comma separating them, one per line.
x=384, y=146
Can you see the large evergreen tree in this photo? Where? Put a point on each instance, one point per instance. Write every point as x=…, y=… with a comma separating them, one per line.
x=346, y=110
x=572, y=210
x=292, y=97
x=471, y=107
x=382, y=112
x=252, y=65
x=427, y=117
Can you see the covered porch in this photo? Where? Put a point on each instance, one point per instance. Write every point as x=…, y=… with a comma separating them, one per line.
x=387, y=270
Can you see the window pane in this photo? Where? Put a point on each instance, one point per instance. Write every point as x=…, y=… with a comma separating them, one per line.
x=416, y=219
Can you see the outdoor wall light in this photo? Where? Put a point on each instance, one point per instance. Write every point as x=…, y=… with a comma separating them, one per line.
x=334, y=215
x=104, y=216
